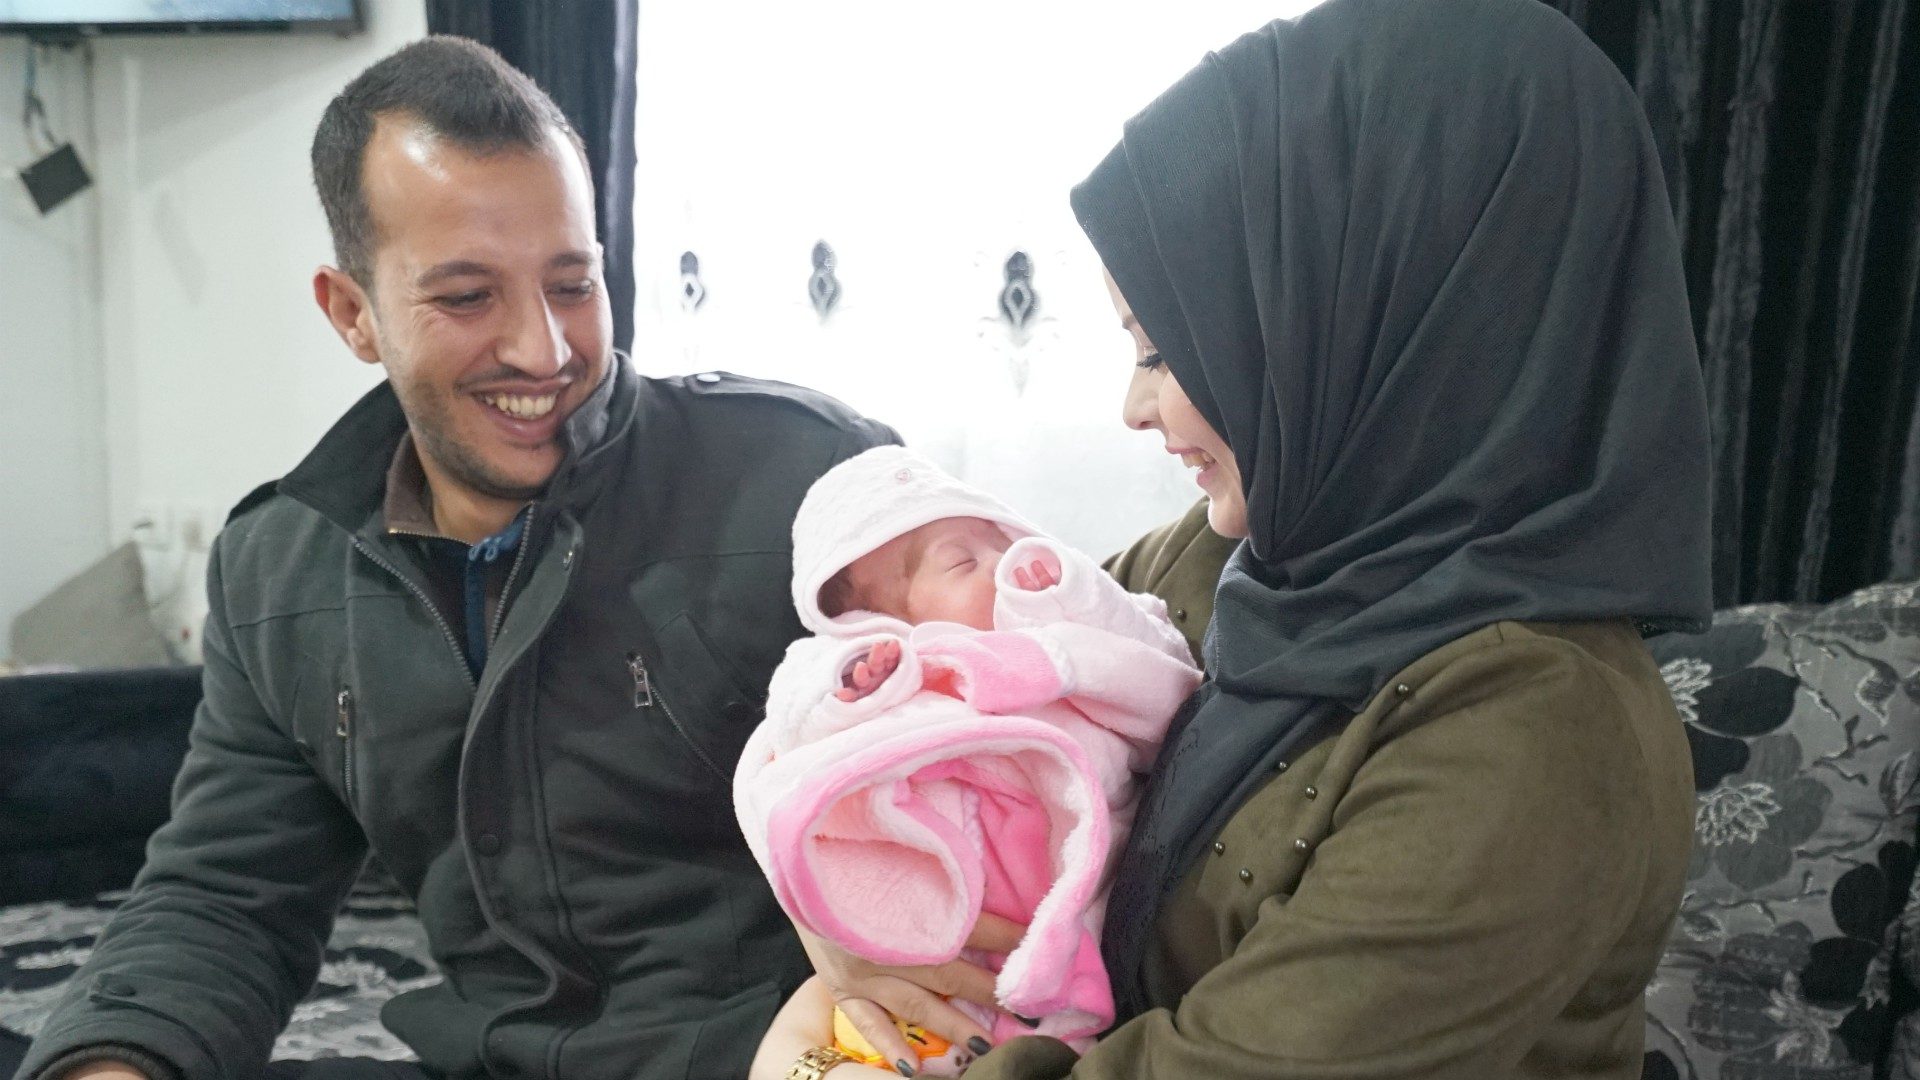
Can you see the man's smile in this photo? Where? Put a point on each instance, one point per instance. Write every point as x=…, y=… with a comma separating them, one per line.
x=521, y=406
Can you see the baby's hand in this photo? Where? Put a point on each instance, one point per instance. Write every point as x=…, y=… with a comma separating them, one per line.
x=1042, y=573
x=868, y=674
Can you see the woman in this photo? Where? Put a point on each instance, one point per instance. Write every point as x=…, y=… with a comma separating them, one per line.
x=1403, y=282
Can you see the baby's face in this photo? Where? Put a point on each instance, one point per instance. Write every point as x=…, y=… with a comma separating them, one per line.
x=939, y=572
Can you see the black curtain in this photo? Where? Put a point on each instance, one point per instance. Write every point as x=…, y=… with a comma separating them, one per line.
x=581, y=52
x=1790, y=131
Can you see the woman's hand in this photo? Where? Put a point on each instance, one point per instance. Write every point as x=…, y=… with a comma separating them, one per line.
x=804, y=1022
x=872, y=995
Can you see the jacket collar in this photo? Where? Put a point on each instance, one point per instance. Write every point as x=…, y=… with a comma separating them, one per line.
x=344, y=476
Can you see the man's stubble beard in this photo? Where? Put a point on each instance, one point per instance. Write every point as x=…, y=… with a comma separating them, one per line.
x=431, y=420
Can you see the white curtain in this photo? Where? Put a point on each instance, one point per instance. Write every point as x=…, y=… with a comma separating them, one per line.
x=924, y=147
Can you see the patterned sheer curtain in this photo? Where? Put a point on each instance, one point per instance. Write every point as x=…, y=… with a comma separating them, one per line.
x=871, y=199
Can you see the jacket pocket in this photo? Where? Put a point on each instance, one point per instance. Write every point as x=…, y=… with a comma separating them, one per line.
x=343, y=729
x=326, y=726
x=692, y=691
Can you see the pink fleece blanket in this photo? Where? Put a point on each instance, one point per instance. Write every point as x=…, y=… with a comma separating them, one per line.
x=993, y=771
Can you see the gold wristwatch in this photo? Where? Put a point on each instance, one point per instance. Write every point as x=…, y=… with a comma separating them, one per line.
x=813, y=1064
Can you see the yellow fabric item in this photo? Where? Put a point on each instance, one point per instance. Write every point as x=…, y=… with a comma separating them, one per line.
x=848, y=1040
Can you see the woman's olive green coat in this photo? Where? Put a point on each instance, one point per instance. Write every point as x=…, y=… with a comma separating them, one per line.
x=1473, y=880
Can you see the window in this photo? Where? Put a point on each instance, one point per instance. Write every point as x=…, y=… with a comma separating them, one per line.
x=924, y=146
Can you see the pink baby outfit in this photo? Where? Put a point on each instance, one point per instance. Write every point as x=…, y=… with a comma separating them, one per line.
x=992, y=771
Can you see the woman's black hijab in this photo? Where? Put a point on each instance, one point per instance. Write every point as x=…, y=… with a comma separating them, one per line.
x=1414, y=260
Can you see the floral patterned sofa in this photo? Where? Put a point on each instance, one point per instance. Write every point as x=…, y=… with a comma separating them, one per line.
x=1796, y=955
x=1797, y=950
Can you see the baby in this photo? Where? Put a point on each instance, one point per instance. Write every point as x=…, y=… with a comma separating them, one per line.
x=942, y=572
x=961, y=734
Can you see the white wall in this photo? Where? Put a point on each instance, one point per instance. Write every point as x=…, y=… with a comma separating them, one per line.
x=164, y=354
x=221, y=372
x=925, y=143
x=53, y=465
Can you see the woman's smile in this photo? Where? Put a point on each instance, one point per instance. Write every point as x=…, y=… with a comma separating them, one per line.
x=1197, y=459
x=1192, y=459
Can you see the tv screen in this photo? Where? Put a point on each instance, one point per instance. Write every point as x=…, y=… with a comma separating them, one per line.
x=176, y=16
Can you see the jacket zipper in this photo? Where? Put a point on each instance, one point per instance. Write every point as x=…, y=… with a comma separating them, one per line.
x=459, y=654
x=513, y=572
x=644, y=696
x=343, y=727
x=642, y=684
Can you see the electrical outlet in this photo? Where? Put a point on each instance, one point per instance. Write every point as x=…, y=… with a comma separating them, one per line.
x=153, y=526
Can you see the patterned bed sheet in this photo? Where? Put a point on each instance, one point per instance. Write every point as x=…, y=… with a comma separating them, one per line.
x=378, y=949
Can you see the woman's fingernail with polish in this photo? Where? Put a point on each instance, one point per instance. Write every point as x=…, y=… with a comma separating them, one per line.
x=979, y=1045
x=1029, y=1021
x=905, y=1069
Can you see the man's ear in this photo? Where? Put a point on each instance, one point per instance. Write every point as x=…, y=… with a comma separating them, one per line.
x=348, y=307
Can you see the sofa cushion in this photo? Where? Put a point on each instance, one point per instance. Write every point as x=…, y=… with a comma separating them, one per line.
x=1903, y=1060
x=90, y=760
x=1804, y=721
x=96, y=619
x=69, y=871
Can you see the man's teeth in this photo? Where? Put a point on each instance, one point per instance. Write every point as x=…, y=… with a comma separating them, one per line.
x=521, y=407
x=1195, y=459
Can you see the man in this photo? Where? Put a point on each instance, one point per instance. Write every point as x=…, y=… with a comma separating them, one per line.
x=506, y=627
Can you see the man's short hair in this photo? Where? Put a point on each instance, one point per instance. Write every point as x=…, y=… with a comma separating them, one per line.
x=458, y=89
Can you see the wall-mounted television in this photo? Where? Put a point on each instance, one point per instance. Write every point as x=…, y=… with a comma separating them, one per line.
x=68, y=18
